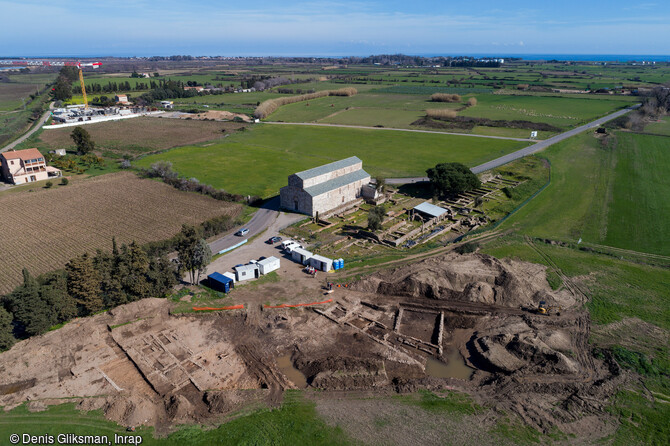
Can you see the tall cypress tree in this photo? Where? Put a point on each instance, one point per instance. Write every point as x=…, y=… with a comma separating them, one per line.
x=135, y=282
x=83, y=284
x=53, y=291
x=6, y=337
x=30, y=311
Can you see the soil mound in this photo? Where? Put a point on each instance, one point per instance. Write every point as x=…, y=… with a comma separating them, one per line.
x=344, y=373
x=473, y=278
x=217, y=115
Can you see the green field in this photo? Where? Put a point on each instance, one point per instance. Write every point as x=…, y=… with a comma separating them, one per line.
x=615, y=195
x=259, y=160
x=559, y=111
x=17, y=109
x=661, y=127
x=639, y=211
x=401, y=110
x=295, y=422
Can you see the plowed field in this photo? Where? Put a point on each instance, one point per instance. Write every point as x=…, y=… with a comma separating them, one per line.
x=42, y=230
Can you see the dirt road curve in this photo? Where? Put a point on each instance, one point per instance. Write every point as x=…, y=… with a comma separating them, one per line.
x=540, y=145
x=33, y=129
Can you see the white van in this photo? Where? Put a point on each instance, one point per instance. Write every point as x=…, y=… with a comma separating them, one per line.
x=286, y=243
x=293, y=247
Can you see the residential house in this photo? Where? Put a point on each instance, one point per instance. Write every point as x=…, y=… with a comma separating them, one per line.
x=25, y=166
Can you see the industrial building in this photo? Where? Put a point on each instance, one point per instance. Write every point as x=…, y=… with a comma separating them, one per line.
x=325, y=188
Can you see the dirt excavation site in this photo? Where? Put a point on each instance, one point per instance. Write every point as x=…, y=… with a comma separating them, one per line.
x=461, y=322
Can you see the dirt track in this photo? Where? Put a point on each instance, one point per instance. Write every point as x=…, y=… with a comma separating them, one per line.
x=142, y=365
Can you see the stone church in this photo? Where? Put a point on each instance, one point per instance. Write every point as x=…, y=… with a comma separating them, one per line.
x=325, y=188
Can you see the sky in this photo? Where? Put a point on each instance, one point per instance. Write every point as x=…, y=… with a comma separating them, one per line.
x=54, y=28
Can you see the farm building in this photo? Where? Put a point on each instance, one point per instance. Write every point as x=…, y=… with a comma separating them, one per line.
x=219, y=282
x=268, y=265
x=25, y=166
x=321, y=263
x=301, y=255
x=121, y=99
x=325, y=188
x=246, y=272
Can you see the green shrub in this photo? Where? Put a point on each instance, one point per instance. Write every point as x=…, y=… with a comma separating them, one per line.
x=64, y=182
x=467, y=248
x=48, y=184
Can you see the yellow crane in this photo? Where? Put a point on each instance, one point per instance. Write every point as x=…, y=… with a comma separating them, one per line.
x=56, y=63
x=81, y=79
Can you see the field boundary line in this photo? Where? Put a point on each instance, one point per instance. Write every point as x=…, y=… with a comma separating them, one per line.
x=363, y=127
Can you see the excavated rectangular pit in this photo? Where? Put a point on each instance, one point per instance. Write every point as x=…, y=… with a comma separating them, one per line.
x=420, y=325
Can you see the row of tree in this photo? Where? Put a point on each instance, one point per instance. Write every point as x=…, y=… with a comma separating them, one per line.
x=90, y=284
x=87, y=285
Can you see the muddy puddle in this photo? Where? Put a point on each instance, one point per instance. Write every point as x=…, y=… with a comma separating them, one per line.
x=294, y=375
x=454, y=368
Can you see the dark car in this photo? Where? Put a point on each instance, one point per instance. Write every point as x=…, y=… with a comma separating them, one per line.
x=273, y=240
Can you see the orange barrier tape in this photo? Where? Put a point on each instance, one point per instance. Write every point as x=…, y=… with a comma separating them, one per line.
x=234, y=307
x=298, y=305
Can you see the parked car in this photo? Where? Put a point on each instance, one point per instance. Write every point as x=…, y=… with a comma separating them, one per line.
x=286, y=243
x=290, y=248
x=253, y=261
x=242, y=232
x=273, y=240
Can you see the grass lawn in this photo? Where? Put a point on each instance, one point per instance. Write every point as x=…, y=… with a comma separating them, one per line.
x=639, y=212
x=363, y=109
x=295, y=422
x=614, y=195
x=258, y=161
x=661, y=127
x=558, y=111
x=11, y=95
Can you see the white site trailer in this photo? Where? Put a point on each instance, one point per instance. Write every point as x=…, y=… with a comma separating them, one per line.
x=230, y=276
x=321, y=263
x=246, y=272
x=301, y=255
x=268, y=265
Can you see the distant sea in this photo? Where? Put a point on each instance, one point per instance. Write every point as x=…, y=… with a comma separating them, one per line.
x=561, y=57
x=570, y=57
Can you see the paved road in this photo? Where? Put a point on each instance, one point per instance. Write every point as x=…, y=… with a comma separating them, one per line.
x=318, y=124
x=540, y=145
x=259, y=222
x=34, y=128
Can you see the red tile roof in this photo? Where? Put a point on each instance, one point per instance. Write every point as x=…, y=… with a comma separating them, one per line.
x=27, y=154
